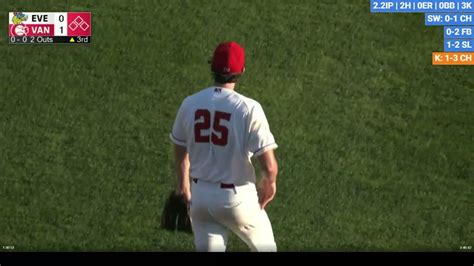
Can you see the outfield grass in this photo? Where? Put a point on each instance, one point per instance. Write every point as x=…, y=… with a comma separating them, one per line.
x=376, y=146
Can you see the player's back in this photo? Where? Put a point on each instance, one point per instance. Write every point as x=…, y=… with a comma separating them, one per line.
x=216, y=131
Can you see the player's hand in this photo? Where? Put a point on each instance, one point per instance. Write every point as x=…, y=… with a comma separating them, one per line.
x=185, y=195
x=266, y=192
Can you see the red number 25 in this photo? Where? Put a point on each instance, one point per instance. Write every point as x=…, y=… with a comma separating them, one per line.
x=216, y=125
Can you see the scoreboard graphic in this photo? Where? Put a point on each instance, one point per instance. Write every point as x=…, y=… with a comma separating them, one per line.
x=455, y=16
x=50, y=27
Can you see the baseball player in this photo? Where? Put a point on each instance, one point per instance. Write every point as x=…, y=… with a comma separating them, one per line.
x=216, y=133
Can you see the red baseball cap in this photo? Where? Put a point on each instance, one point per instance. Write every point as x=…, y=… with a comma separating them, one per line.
x=229, y=58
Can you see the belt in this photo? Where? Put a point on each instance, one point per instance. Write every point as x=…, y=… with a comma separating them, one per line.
x=223, y=185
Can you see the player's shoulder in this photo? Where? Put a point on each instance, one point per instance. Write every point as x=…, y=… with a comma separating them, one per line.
x=249, y=103
x=195, y=97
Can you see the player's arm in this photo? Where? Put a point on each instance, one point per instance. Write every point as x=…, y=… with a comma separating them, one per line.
x=182, y=172
x=267, y=185
x=262, y=143
x=178, y=137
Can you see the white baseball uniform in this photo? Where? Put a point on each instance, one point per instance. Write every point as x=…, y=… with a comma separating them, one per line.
x=221, y=130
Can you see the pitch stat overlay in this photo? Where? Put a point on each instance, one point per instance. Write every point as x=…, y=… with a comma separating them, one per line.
x=455, y=16
x=50, y=27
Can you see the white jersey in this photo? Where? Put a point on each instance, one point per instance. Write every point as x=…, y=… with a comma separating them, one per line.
x=221, y=130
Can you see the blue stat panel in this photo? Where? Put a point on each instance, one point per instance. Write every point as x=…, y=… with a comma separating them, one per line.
x=456, y=17
x=453, y=19
x=459, y=32
x=459, y=45
x=420, y=6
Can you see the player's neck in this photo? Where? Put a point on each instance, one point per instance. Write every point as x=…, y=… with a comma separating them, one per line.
x=229, y=86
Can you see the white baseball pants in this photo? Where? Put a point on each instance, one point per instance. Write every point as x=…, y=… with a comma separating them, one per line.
x=215, y=210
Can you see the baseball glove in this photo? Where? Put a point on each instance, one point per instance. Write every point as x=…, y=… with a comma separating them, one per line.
x=175, y=214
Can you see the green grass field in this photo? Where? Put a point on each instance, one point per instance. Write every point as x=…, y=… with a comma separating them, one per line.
x=376, y=144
